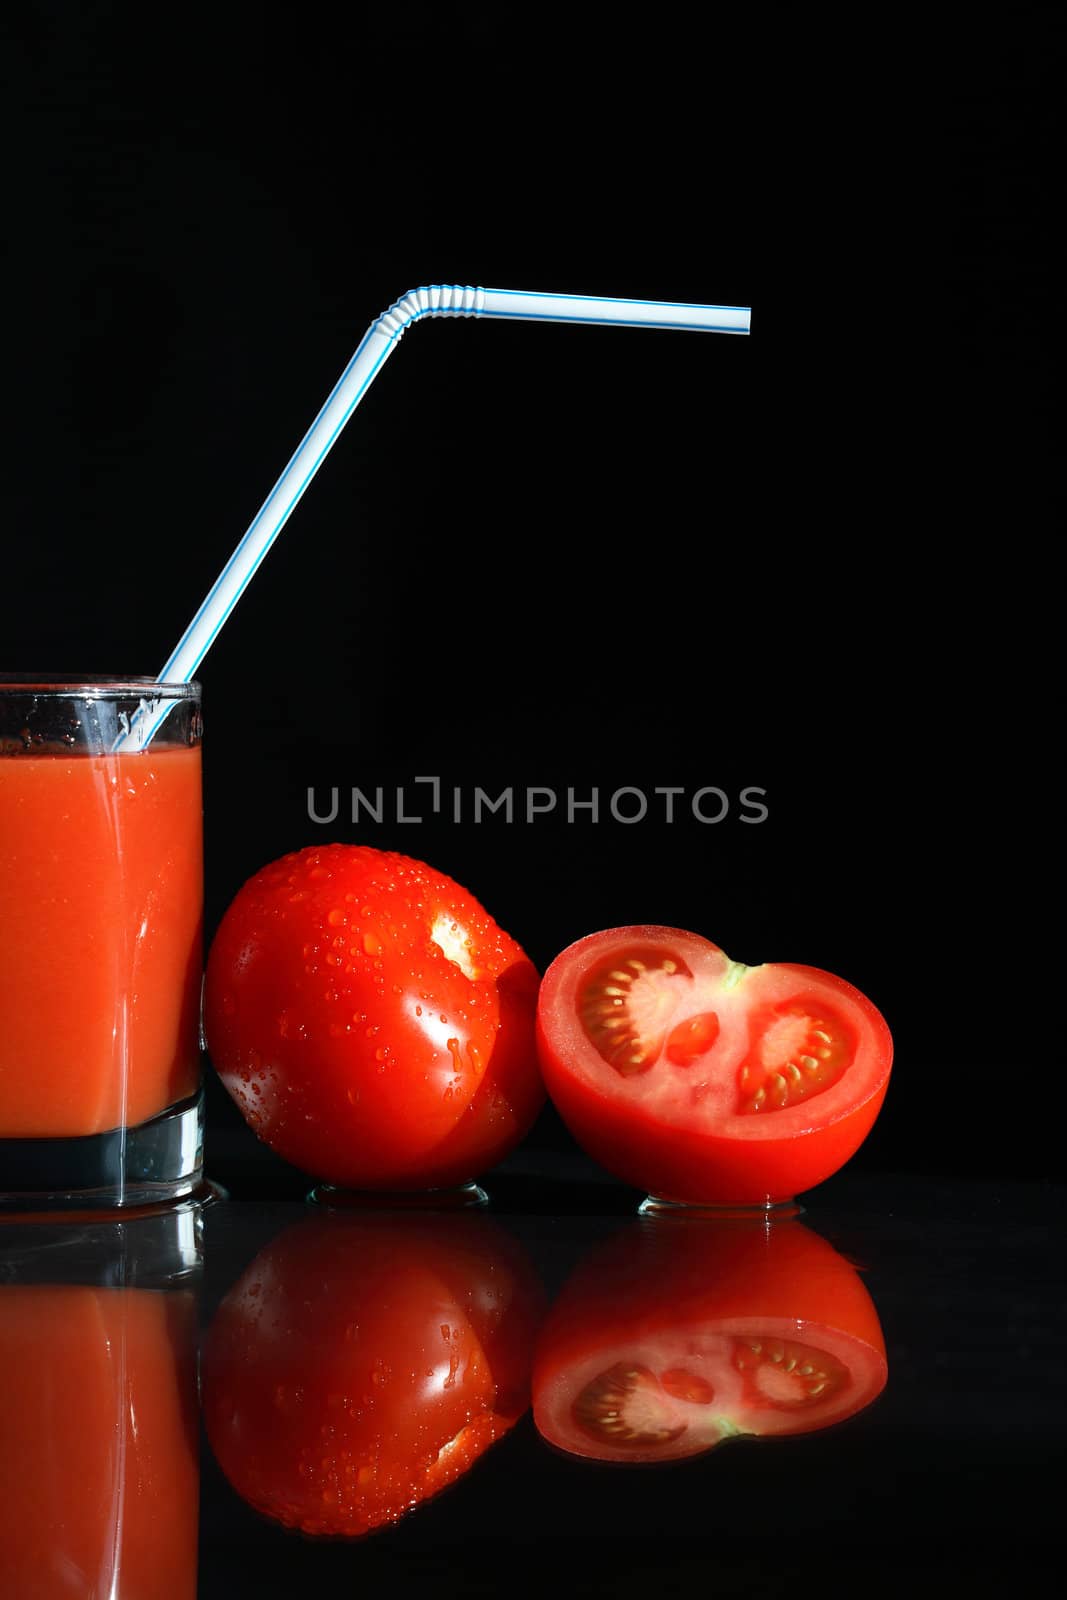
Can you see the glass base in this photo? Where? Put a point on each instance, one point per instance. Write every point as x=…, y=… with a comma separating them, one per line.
x=769, y=1211
x=462, y=1198
x=159, y=1161
x=153, y=1247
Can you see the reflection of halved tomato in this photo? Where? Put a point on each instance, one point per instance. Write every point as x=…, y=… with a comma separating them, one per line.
x=703, y=1080
x=362, y=1364
x=671, y=1338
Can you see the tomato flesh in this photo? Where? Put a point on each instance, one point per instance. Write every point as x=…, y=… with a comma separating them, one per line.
x=703, y=1080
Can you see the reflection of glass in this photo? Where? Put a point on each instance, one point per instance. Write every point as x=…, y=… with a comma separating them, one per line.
x=101, y=889
x=361, y=1364
x=99, y=1476
x=675, y=1336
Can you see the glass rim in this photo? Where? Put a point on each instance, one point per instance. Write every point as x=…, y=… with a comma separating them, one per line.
x=83, y=686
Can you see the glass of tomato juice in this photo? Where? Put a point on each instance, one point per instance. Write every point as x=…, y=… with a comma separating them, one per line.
x=101, y=915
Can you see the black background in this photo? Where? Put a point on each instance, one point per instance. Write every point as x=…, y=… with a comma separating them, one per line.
x=809, y=561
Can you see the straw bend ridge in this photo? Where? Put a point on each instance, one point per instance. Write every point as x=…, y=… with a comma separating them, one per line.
x=434, y=300
x=377, y=344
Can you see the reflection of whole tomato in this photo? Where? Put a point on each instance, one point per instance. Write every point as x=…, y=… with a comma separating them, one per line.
x=675, y=1336
x=371, y=1021
x=362, y=1364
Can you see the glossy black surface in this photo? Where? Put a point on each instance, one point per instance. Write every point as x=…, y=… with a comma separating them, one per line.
x=945, y=1483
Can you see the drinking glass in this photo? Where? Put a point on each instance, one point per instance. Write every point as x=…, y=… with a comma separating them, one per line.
x=101, y=914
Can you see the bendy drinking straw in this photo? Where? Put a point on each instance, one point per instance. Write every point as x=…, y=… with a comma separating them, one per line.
x=377, y=344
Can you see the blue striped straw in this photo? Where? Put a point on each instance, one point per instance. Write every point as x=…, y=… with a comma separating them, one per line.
x=377, y=344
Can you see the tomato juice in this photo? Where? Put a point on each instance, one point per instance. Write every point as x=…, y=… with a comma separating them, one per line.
x=101, y=890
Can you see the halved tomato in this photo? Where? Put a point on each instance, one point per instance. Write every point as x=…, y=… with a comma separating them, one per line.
x=703, y=1080
x=669, y=1340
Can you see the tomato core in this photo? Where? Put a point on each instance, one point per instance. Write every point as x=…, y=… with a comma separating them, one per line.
x=693, y=1038
x=689, y=1386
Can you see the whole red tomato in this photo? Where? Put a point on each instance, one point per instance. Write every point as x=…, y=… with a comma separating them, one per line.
x=702, y=1080
x=670, y=1339
x=361, y=1364
x=372, y=1022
